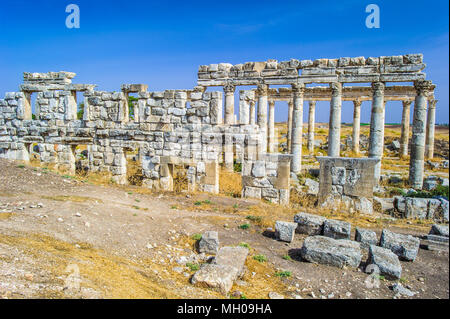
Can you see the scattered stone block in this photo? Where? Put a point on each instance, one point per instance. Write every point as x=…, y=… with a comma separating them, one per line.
x=440, y=230
x=337, y=229
x=404, y=246
x=403, y=291
x=333, y=252
x=209, y=243
x=386, y=261
x=232, y=256
x=285, y=231
x=218, y=277
x=313, y=186
x=366, y=237
x=309, y=224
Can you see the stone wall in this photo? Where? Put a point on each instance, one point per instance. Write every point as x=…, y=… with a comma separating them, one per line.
x=347, y=181
x=267, y=178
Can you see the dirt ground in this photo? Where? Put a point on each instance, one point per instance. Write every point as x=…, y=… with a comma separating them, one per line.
x=125, y=241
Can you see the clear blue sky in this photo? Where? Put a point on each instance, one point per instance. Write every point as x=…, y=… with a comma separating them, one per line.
x=162, y=43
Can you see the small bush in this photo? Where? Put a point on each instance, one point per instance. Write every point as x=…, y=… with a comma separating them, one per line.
x=207, y=201
x=244, y=226
x=283, y=274
x=244, y=245
x=260, y=258
x=196, y=236
x=287, y=257
x=192, y=266
x=197, y=203
x=254, y=218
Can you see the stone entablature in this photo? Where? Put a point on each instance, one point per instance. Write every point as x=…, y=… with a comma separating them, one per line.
x=400, y=68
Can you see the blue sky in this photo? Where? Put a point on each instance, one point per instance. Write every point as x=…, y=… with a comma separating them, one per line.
x=162, y=43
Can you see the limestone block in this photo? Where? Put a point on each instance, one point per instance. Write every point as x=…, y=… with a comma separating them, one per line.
x=404, y=246
x=338, y=175
x=329, y=251
x=252, y=192
x=209, y=243
x=336, y=229
x=366, y=237
x=259, y=169
x=309, y=224
x=284, y=231
x=386, y=261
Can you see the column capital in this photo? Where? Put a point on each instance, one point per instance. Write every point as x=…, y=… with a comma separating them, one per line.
x=336, y=88
x=229, y=88
x=357, y=102
x=423, y=87
x=262, y=89
x=378, y=88
x=312, y=102
x=407, y=103
x=298, y=89
x=432, y=103
x=271, y=102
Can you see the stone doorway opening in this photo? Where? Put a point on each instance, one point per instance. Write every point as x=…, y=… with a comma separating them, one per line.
x=134, y=167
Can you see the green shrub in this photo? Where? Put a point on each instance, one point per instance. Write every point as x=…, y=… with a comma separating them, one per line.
x=244, y=226
x=254, y=218
x=192, y=266
x=197, y=203
x=260, y=258
x=244, y=245
x=196, y=236
x=287, y=257
x=283, y=274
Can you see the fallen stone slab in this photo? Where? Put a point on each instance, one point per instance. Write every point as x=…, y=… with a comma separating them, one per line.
x=366, y=237
x=439, y=230
x=232, y=256
x=217, y=277
x=437, y=238
x=313, y=186
x=336, y=229
x=209, y=243
x=226, y=267
x=329, y=251
x=404, y=246
x=309, y=224
x=399, y=289
x=285, y=231
x=386, y=261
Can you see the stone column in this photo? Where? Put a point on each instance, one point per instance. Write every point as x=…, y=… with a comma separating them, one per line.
x=243, y=110
x=297, y=123
x=229, y=103
x=252, y=112
x=271, y=127
x=404, y=139
x=356, y=125
x=311, y=124
x=334, y=127
x=289, y=125
x=376, y=138
x=262, y=116
x=431, y=121
x=416, y=161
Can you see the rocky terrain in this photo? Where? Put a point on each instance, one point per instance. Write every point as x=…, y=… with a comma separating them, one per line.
x=67, y=237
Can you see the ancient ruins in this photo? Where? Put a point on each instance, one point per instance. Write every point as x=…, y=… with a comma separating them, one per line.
x=198, y=130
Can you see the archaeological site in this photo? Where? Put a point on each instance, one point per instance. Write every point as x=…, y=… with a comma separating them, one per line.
x=210, y=198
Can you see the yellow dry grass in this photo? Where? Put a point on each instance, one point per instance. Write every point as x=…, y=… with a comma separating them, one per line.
x=230, y=183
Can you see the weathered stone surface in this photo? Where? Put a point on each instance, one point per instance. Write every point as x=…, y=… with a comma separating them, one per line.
x=366, y=237
x=309, y=224
x=329, y=251
x=232, y=256
x=209, y=243
x=337, y=229
x=441, y=230
x=313, y=186
x=404, y=246
x=285, y=231
x=386, y=261
x=402, y=291
x=219, y=277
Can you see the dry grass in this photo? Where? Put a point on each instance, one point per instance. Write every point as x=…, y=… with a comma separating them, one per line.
x=230, y=183
x=72, y=198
